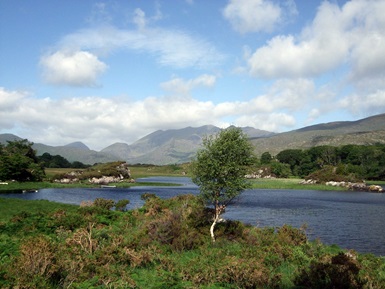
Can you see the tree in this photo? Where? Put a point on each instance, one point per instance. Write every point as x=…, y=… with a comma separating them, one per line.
x=18, y=162
x=219, y=169
x=266, y=158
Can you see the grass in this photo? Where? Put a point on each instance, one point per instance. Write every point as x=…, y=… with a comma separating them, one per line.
x=11, y=207
x=142, y=171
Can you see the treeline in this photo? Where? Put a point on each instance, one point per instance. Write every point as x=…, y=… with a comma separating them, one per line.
x=18, y=161
x=358, y=161
x=57, y=161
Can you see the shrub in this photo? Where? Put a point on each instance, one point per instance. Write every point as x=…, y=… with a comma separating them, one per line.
x=121, y=205
x=342, y=272
x=35, y=264
x=104, y=203
x=331, y=173
x=291, y=236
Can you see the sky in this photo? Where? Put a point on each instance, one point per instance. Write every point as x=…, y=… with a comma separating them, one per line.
x=102, y=72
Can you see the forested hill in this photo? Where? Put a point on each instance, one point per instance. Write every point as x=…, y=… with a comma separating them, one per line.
x=365, y=131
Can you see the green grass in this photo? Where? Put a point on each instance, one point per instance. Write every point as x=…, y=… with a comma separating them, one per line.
x=11, y=207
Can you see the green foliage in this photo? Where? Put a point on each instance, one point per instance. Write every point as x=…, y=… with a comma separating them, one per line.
x=266, y=158
x=357, y=161
x=163, y=245
x=220, y=168
x=104, y=203
x=280, y=170
x=121, y=205
x=18, y=162
x=342, y=271
x=330, y=173
x=57, y=161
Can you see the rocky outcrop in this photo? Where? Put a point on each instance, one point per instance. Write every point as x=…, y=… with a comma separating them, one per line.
x=349, y=185
x=112, y=174
x=263, y=173
x=357, y=186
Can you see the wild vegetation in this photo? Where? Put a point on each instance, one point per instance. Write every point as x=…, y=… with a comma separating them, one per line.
x=165, y=244
x=350, y=162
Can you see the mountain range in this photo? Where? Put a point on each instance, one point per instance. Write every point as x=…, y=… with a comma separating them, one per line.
x=180, y=145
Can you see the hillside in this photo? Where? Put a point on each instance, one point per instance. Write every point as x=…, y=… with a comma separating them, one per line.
x=170, y=146
x=180, y=145
x=73, y=153
x=366, y=131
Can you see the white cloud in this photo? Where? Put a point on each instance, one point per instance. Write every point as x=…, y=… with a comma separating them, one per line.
x=274, y=122
x=351, y=35
x=247, y=16
x=368, y=45
x=183, y=87
x=360, y=105
x=320, y=48
x=99, y=122
x=252, y=15
x=169, y=47
x=75, y=60
x=77, y=68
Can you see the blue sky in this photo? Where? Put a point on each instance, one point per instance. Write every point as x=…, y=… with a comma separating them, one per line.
x=114, y=71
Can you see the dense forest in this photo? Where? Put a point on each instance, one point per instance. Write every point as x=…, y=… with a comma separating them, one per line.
x=356, y=161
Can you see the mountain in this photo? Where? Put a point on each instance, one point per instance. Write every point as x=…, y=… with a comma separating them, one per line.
x=180, y=145
x=78, y=145
x=75, y=152
x=170, y=146
x=365, y=131
x=8, y=137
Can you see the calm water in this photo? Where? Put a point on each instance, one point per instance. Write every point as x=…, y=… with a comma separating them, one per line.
x=352, y=220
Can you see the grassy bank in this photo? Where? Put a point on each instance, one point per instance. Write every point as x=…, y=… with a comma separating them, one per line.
x=165, y=244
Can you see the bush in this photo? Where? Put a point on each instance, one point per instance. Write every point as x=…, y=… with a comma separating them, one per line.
x=121, y=205
x=104, y=203
x=342, y=272
x=330, y=173
x=36, y=263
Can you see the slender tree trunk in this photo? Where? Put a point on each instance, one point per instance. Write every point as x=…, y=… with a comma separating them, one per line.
x=216, y=218
x=218, y=211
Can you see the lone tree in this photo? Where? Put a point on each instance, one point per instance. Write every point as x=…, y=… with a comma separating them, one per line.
x=220, y=167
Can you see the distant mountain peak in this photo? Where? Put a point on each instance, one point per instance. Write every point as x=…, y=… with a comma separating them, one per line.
x=78, y=145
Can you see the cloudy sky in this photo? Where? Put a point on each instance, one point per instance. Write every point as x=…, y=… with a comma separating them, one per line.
x=115, y=71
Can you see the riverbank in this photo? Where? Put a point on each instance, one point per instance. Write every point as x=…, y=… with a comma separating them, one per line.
x=289, y=184
x=165, y=244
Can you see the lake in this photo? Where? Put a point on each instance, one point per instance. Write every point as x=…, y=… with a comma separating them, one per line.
x=352, y=220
